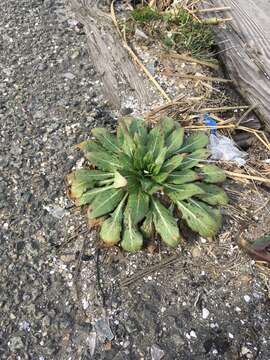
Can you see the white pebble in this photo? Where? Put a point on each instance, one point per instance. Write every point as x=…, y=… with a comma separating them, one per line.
x=85, y=304
x=193, y=334
x=205, y=313
x=231, y=336
x=237, y=309
x=247, y=298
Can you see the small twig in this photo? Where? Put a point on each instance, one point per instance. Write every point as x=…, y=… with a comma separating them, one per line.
x=248, y=177
x=100, y=288
x=222, y=108
x=78, y=270
x=206, y=78
x=216, y=21
x=217, y=9
x=246, y=114
x=139, y=275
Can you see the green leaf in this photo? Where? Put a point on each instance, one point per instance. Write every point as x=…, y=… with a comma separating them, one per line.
x=167, y=125
x=111, y=228
x=194, y=159
x=161, y=177
x=172, y=163
x=119, y=181
x=155, y=142
x=183, y=177
x=149, y=186
x=159, y=161
x=148, y=228
x=165, y=224
x=89, y=196
x=104, y=161
x=107, y=140
x=84, y=179
x=105, y=202
x=212, y=174
x=194, y=142
x=182, y=192
x=124, y=139
x=132, y=239
x=134, y=184
x=214, y=195
x=138, y=130
x=89, y=146
x=137, y=207
x=174, y=141
x=200, y=217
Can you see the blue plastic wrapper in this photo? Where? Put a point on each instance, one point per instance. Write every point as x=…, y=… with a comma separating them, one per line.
x=209, y=121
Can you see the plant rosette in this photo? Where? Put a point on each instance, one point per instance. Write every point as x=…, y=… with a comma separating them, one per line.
x=142, y=180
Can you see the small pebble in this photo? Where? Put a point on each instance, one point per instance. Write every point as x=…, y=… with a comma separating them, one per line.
x=205, y=313
x=247, y=298
x=193, y=334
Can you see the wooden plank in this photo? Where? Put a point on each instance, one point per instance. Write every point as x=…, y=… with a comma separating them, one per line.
x=121, y=79
x=244, y=46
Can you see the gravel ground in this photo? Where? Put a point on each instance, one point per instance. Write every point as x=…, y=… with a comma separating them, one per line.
x=57, y=297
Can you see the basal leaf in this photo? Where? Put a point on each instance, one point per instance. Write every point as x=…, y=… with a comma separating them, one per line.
x=194, y=159
x=212, y=174
x=155, y=142
x=138, y=130
x=119, y=181
x=167, y=125
x=83, y=179
x=149, y=186
x=89, y=196
x=111, y=228
x=104, y=161
x=132, y=239
x=174, y=141
x=200, y=217
x=105, y=202
x=159, y=161
x=172, y=163
x=182, y=192
x=214, y=195
x=183, y=177
x=107, y=140
x=165, y=224
x=90, y=145
x=148, y=228
x=194, y=142
x=137, y=207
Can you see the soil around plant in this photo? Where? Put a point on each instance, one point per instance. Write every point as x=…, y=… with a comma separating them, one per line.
x=65, y=296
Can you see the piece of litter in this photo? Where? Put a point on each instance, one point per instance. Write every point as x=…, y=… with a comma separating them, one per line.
x=55, y=211
x=91, y=341
x=193, y=334
x=247, y=298
x=205, y=313
x=223, y=148
x=156, y=353
x=103, y=329
x=209, y=121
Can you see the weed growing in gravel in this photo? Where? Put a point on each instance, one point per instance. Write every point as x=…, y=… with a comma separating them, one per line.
x=180, y=31
x=144, y=178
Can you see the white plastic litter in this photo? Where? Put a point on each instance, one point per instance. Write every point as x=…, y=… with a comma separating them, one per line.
x=223, y=148
x=103, y=329
x=55, y=211
x=156, y=353
x=91, y=341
